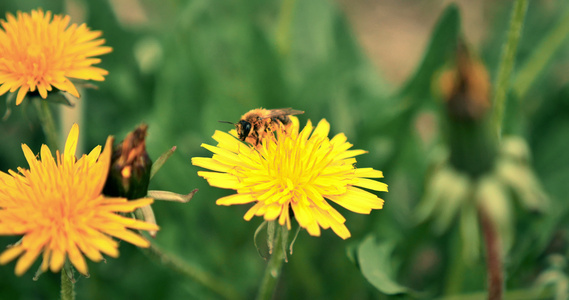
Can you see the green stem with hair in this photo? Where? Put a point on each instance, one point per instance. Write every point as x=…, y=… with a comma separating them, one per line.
x=274, y=266
x=67, y=286
x=47, y=122
x=507, y=63
x=454, y=277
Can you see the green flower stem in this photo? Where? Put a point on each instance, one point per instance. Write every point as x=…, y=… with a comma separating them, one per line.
x=67, y=286
x=454, y=277
x=493, y=257
x=507, y=62
x=541, y=55
x=177, y=264
x=48, y=124
x=273, y=271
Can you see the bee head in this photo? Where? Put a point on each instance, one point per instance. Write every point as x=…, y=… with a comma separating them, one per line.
x=243, y=129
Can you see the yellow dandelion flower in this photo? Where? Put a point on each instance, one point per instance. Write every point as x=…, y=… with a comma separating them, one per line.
x=38, y=53
x=298, y=171
x=58, y=206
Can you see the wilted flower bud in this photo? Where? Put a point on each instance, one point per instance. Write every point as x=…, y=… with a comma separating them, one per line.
x=129, y=174
x=466, y=88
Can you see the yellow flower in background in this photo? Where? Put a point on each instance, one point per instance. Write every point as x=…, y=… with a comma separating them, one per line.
x=58, y=206
x=297, y=171
x=38, y=53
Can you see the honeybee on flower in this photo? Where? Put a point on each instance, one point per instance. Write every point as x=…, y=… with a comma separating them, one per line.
x=293, y=171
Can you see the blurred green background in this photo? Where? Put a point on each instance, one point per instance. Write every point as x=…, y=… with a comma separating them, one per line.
x=368, y=68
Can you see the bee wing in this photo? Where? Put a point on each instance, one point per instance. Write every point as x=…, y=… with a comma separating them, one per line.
x=282, y=112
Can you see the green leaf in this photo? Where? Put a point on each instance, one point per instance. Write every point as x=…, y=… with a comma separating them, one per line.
x=441, y=46
x=161, y=160
x=260, y=241
x=171, y=196
x=60, y=98
x=537, y=62
x=376, y=266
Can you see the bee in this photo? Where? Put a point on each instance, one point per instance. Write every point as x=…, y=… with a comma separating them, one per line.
x=258, y=123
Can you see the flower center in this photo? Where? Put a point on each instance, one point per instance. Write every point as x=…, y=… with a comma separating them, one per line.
x=34, y=51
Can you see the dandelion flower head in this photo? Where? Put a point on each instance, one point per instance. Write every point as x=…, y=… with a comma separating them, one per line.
x=39, y=51
x=293, y=171
x=58, y=207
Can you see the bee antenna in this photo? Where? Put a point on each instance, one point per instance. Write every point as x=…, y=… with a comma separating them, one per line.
x=226, y=122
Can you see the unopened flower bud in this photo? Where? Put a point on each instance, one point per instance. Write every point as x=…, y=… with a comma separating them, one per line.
x=465, y=90
x=129, y=173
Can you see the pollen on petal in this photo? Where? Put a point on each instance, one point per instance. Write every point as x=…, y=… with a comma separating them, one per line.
x=26, y=260
x=21, y=94
x=208, y=163
x=368, y=173
x=235, y=199
x=57, y=260
x=11, y=253
x=77, y=258
x=71, y=144
x=220, y=180
x=371, y=184
x=128, y=206
x=130, y=237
